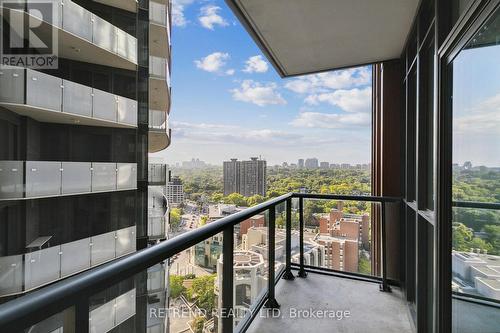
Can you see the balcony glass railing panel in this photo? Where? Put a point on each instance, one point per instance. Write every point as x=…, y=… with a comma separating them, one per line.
x=76, y=177
x=11, y=274
x=103, y=248
x=104, y=105
x=156, y=226
x=157, y=173
x=126, y=45
x=157, y=67
x=156, y=278
x=126, y=110
x=12, y=85
x=103, y=177
x=125, y=241
x=43, y=178
x=337, y=235
x=41, y=267
x=104, y=34
x=77, y=99
x=43, y=90
x=11, y=179
x=75, y=256
x=158, y=119
x=125, y=307
x=126, y=177
x=77, y=20
x=158, y=13
x=102, y=319
x=52, y=263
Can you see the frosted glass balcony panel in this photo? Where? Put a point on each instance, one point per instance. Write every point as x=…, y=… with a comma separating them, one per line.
x=77, y=99
x=125, y=306
x=126, y=176
x=12, y=85
x=157, y=119
x=156, y=278
x=43, y=178
x=75, y=256
x=11, y=179
x=127, y=110
x=156, y=226
x=104, y=34
x=42, y=267
x=157, y=66
x=102, y=319
x=76, y=177
x=103, y=248
x=43, y=90
x=77, y=20
x=103, y=177
x=125, y=241
x=157, y=13
x=11, y=274
x=126, y=45
x=104, y=105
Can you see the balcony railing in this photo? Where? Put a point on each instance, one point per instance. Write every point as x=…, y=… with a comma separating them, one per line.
x=158, y=13
x=46, y=97
x=33, y=179
x=157, y=174
x=158, y=68
x=24, y=272
x=85, y=36
x=158, y=120
x=75, y=291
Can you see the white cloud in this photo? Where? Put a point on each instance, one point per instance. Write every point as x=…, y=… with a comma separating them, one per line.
x=209, y=17
x=178, y=7
x=213, y=63
x=354, y=100
x=256, y=64
x=230, y=71
x=258, y=93
x=188, y=125
x=328, y=120
x=483, y=118
x=324, y=82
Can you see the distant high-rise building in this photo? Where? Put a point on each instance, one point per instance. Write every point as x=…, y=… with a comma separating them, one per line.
x=324, y=165
x=175, y=191
x=300, y=163
x=245, y=177
x=311, y=163
x=231, y=176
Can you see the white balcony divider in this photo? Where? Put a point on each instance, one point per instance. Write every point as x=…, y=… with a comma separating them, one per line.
x=52, y=263
x=111, y=314
x=51, y=93
x=156, y=226
x=103, y=177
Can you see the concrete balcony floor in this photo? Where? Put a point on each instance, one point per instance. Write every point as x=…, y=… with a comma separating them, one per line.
x=370, y=310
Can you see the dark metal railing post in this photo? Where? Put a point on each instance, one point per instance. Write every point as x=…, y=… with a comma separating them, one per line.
x=302, y=272
x=288, y=275
x=271, y=302
x=384, y=286
x=227, y=311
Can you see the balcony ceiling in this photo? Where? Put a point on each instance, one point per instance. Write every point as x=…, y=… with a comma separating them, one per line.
x=300, y=37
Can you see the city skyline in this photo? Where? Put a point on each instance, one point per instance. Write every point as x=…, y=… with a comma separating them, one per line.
x=230, y=102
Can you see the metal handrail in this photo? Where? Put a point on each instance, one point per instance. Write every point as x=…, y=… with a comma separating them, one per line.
x=38, y=305
x=475, y=204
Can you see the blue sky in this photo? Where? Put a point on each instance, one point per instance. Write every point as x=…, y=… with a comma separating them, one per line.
x=228, y=101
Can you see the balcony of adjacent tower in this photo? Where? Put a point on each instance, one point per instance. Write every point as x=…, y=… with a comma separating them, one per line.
x=48, y=98
x=84, y=36
x=159, y=75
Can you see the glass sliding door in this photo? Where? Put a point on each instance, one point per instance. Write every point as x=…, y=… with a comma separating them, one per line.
x=475, y=224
